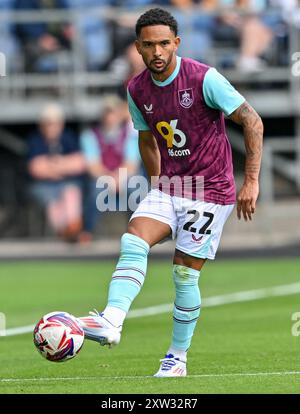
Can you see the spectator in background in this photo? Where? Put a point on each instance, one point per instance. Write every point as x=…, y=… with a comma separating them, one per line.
x=240, y=21
x=125, y=67
x=278, y=18
x=112, y=144
x=42, y=41
x=244, y=18
x=247, y=23
x=135, y=62
x=55, y=166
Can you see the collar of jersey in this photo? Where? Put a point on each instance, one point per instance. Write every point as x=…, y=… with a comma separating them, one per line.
x=171, y=77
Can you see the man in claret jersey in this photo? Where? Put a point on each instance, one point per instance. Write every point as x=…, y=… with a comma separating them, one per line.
x=178, y=107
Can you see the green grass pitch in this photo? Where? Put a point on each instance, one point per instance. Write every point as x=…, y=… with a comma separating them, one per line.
x=243, y=347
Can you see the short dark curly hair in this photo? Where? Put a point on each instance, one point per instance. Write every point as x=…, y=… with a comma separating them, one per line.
x=154, y=17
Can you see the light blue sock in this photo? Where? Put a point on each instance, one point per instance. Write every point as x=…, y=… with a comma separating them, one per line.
x=130, y=272
x=186, y=307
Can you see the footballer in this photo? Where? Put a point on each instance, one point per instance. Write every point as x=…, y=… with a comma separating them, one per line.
x=178, y=106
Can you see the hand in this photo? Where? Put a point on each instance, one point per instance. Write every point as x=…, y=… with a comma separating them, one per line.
x=246, y=201
x=57, y=164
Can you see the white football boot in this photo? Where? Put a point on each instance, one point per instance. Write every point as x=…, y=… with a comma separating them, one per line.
x=99, y=329
x=171, y=367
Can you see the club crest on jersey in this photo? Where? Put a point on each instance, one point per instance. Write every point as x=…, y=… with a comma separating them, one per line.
x=186, y=97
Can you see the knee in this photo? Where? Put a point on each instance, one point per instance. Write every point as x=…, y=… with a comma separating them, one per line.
x=132, y=229
x=185, y=260
x=137, y=227
x=185, y=276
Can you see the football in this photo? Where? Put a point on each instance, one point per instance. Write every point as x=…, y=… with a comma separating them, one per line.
x=58, y=336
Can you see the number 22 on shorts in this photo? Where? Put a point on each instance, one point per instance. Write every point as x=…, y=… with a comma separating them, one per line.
x=196, y=216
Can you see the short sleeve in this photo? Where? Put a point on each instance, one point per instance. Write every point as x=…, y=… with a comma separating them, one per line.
x=136, y=115
x=219, y=93
x=89, y=146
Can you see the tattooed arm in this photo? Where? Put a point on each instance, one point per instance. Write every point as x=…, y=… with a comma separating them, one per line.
x=253, y=128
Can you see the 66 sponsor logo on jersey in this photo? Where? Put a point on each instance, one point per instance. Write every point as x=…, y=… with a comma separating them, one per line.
x=174, y=138
x=178, y=153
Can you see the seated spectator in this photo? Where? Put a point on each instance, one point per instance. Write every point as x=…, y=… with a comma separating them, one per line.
x=42, y=42
x=55, y=166
x=281, y=15
x=255, y=28
x=111, y=145
x=125, y=67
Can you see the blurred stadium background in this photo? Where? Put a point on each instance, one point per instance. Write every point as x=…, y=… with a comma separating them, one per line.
x=78, y=54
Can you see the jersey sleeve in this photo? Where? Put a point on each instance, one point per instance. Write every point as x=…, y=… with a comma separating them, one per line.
x=136, y=115
x=89, y=146
x=219, y=93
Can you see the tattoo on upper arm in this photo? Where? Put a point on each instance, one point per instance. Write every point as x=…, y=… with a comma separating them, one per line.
x=245, y=115
x=249, y=119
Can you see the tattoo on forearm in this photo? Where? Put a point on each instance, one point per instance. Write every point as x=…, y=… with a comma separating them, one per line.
x=252, y=124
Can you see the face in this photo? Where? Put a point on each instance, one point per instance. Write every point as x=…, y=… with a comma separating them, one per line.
x=157, y=45
x=111, y=118
x=52, y=129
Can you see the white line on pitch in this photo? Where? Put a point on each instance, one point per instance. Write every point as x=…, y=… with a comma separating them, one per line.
x=243, y=296
x=238, y=374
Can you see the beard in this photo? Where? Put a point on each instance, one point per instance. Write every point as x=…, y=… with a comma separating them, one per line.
x=164, y=66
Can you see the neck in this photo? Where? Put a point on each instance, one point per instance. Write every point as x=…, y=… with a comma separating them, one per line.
x=163, y=76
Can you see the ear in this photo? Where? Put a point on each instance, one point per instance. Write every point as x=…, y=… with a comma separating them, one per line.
x=138, y=46
x=177, y=42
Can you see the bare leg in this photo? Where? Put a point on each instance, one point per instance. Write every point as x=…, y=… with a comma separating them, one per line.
x=183, y=259
x=71, y=201
x=56, y=215
x=150, y=230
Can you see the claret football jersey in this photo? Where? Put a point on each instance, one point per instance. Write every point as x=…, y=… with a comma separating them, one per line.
x=185, y=113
